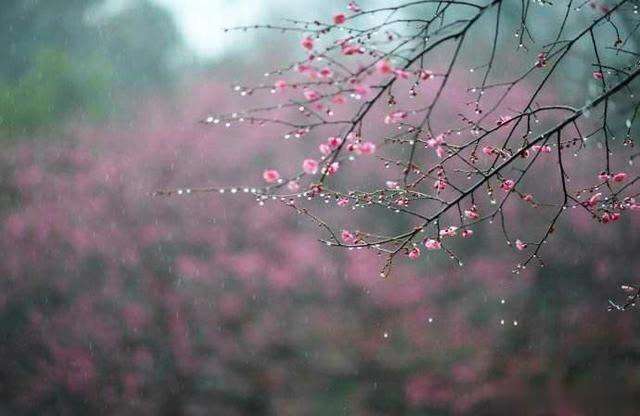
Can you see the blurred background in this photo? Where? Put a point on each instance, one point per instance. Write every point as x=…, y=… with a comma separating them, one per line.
x=116, y=302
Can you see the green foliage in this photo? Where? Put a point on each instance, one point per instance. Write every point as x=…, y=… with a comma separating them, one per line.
x=53, y=87
x=78, y=59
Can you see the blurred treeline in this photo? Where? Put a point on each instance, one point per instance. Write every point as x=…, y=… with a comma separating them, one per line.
x=80, y=57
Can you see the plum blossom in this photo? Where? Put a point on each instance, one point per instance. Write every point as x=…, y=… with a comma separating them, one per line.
x=598, y=75
x=333, y=168
x=334, y=142
x=302, y=68
x=432, y=244
x=293, y=186
x=520, y=245
x=310, y=166
x=414, y=253
x=608, y=217
x=450, y=231
x=348, y=237
x=353, y=6
x=541, y=149
x=395, y=117
x=632, y=204
x=311, y=95
x=325, y=72
x=338, y=99
x=343, y=202
x=437, y=143
x=307, y=43
x=339, y=18
x=366, y=148
x=324, y=148
x=440, y=184
x=471, y=213
x=280, y=85
x=619, y=177
x=507, y=185
x=392, y=184
x=270, y=175
x=467, y=233
x=350, y=49
x=384, y=67
x=425, y=74
x=362, y=90
x=593, y=200
x=401, y=73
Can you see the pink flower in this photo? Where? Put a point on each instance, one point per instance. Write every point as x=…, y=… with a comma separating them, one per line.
x=325, y=72
x=593, y=201
x=311, y=95
x=338, y=99
x=343, y=202
x=520, y=245
x=528, y=198
x=395, y=117
x=334, y=142
x=541, y=149
x=598, y=75
x=414, y=253
x=324, y=149
x=310, y=166
x=440, y=184
x=362, y=90
x=450, y=231
x=271, y=175
x=487, y=150
x=391, y=184
x=401, y=73
x=467, y=233
x=280, y=84
x=619, y=177
x=353, y=6
x=384, y=67
x=471, y=213
x=367, y=148
x=439, y=139
x=603, y=176
x=348, y=237
x=507, y=185
x=333, y=168
x=348, y=49
x=293, y=186
x=307, y=43
x=432, y=244
x=437, y=142
x=425, y=74
x=339, y=18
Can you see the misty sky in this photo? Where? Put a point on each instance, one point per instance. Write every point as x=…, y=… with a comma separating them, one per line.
x=202, y=21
